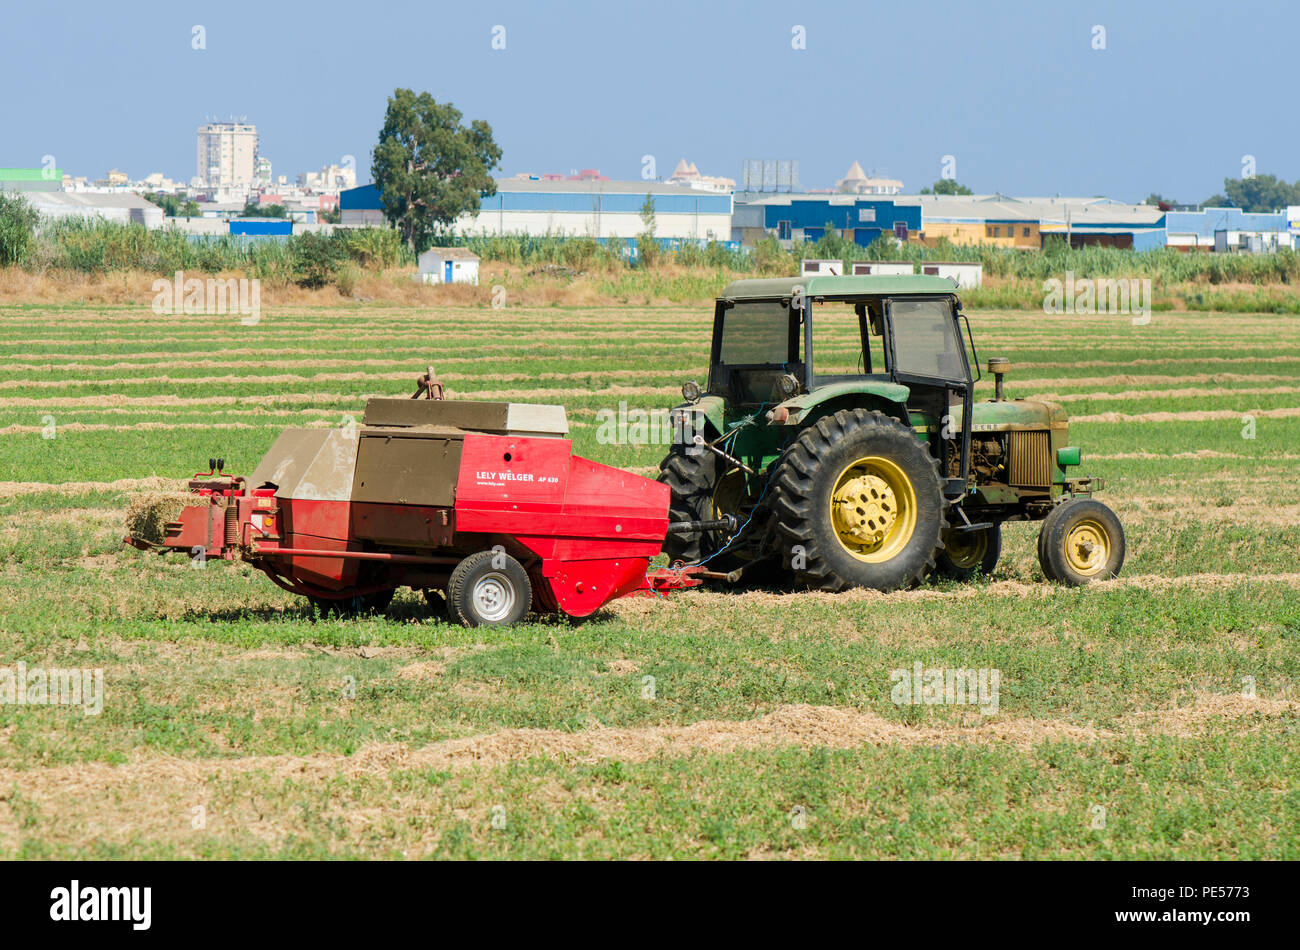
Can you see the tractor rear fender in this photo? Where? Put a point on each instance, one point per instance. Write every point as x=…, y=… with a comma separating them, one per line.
x=806, y=408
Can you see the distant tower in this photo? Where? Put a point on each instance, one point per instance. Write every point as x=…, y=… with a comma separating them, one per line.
x=227, y=156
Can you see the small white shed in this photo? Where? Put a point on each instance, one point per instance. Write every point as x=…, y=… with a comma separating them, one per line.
x=877, y=268
x=962, y=273
x=449, y=265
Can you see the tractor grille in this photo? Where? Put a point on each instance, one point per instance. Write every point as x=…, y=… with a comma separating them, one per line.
x=1030, y=459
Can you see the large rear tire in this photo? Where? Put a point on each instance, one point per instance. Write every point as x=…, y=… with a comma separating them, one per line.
x=701, y=490
x=857, y=502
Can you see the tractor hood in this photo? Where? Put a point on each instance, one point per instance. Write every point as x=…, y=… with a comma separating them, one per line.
x=1018, y=414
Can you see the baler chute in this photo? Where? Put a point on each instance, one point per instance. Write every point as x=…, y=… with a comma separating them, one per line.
x=483, y=502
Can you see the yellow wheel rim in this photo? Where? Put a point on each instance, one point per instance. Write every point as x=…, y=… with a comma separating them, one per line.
x=1087, y=547
x=873, y=509
x=966, y=549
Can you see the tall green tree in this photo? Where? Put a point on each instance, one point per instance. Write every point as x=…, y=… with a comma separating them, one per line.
x=647, y=249
x=430, y=168
x=1261, y=193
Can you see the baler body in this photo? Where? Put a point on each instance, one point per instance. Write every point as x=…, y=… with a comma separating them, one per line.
x=403, y=497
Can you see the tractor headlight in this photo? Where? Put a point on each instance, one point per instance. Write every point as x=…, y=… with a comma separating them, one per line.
x=789, y=385
x=691, y=391
x=1070, y=455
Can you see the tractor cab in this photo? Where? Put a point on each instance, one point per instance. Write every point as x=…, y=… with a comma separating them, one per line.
x=893, y=343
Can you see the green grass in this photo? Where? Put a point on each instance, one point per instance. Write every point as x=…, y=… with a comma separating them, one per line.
x=223, y=691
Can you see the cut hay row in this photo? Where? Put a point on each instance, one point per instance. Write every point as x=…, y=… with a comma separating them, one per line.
x=1196, y=454
x=790, y=726
x=18, y=429
x=152, y=483
x=1208, y=392
x=1150, y=361
x=395, y=369
x=433, y=334
x=1196, y=415
x=163, y=400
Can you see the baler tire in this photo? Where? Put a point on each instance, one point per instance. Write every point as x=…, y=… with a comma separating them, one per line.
x=803, y=486
x=494, y=574
x=951, y=563
x=1070, y=525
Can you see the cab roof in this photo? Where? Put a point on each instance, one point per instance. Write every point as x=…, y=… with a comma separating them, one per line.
x=767, y=288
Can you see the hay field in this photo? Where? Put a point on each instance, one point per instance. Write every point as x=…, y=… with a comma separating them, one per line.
x=1150, y=717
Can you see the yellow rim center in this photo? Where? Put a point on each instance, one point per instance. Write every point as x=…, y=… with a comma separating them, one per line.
x=873, y=509
x=1087, y=547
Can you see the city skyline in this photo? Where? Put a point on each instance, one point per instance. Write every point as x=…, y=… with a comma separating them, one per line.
x=1027, y=109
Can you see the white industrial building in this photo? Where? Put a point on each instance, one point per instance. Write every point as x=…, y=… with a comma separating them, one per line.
x=882, y=268
x=592, y=208
x=124, y=208
x=964, y=274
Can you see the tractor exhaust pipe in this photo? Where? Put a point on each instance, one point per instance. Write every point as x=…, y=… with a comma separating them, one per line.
x=999, y=366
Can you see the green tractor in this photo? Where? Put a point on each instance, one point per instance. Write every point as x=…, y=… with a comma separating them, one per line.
x=838, y=443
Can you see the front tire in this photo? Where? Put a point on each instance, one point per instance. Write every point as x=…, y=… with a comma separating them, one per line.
x=857, y=502
x=1081, y=541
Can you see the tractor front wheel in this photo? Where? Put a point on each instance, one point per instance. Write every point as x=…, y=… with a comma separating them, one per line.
x=967, y=553
x=1081, y=541
x=858, y=503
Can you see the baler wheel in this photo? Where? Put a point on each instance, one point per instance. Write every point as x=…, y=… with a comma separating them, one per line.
x=858, y=503
x=967, y=553
x=488, y=589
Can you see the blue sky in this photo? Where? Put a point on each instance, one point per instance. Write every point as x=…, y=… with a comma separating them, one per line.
x=1014, y=91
